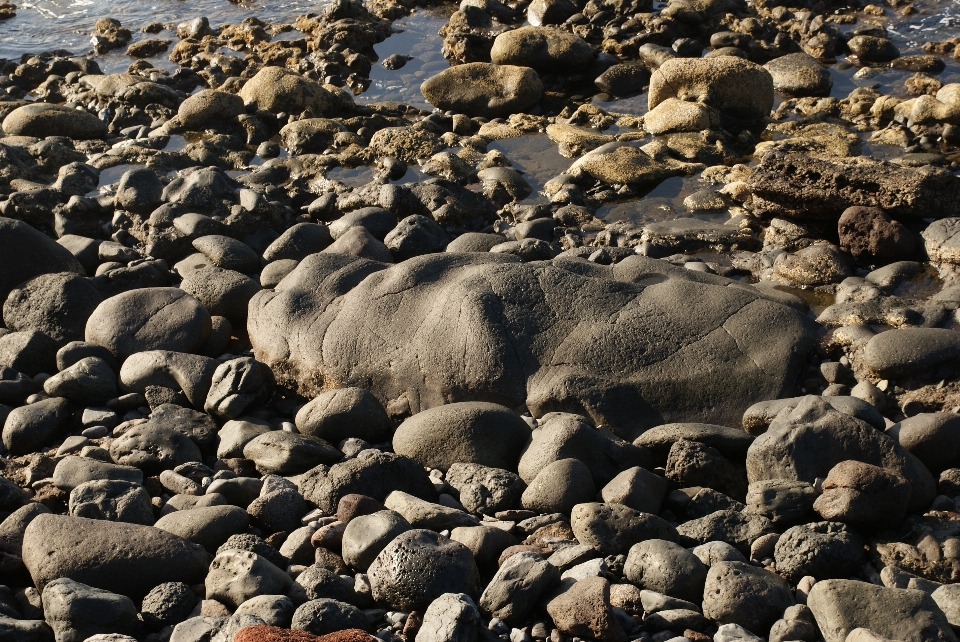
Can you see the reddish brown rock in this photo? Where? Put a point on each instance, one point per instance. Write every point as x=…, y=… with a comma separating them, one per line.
x=264, y=633
x=354, y=505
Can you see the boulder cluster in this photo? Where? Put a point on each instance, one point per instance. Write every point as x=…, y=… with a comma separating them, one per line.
x=243, y=399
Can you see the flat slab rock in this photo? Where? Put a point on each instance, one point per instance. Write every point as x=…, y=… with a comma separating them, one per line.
x=633, y=345
x=803, y=187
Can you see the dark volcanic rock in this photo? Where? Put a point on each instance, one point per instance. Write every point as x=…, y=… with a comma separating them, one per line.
x=800, y=186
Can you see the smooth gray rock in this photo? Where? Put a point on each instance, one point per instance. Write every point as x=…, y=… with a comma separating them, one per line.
x=72, y=471
x=285, y=453
x=274, y=610
x=324, y=616
x=636, y=488
x=559, y=487
x=468, y=432
x=757, y=355
x=224, y=293
x=666, y=567
x=932, y=437
x=149, y=319
x=237, y=433
x=947, y=598
x=486, y=543
x=125, y=558
x=90, y=381
x=139, y=190
x=423, y=514
x=367, y=535
x=563, y=436
x=190, y=373
x=27, y=429
x=298, y=242
x=228, y=253
x=209, y=527
x=908, y=351
x=713, y=552
x=77, y=612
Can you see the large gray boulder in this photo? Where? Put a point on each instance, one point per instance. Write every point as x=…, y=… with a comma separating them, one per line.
x=124, y=558
x=808, y=441
x=452, y=617
x=548, y=335
x=840, y=606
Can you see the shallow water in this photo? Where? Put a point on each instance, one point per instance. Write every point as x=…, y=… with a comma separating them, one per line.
x=45, y=25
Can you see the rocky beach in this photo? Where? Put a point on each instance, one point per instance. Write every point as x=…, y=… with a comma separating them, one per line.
x=559, y=320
